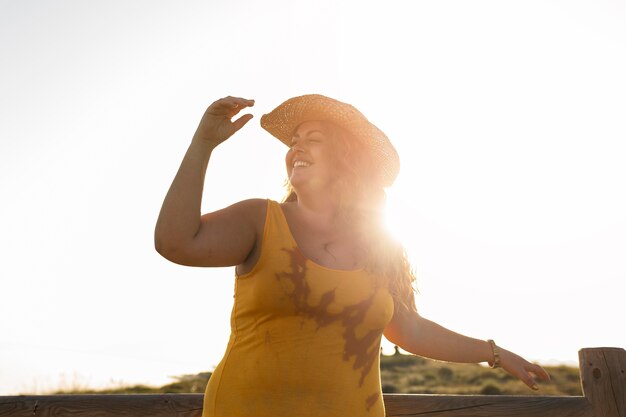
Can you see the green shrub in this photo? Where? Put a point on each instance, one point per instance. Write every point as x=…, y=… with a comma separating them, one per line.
x=445, y=373
x=389, y=388
x=490, y=389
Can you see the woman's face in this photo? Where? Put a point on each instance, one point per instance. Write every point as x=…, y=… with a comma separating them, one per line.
x=310, y=160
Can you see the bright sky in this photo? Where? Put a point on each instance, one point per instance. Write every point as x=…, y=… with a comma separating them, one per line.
x=508, y=117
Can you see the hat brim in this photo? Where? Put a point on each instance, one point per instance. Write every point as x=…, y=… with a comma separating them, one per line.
x=283, y=121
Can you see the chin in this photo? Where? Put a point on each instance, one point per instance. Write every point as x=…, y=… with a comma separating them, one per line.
x=295, y=182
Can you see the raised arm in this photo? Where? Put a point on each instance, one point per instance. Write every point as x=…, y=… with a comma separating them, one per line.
x=423, y=337
x=225, y=237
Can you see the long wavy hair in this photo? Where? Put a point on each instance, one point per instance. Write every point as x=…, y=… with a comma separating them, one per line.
x=361, y=198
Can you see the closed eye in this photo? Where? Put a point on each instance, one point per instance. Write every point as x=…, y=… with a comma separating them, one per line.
x=314, y=136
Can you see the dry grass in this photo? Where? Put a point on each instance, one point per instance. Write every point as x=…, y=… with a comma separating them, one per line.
x=415, y=375
x=406, y=374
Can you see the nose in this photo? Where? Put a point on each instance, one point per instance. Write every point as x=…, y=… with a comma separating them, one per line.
x=298, y=147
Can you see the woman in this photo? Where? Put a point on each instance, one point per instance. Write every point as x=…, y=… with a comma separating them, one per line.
x=318, y=279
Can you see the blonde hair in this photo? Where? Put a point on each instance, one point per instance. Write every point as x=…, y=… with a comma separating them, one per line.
x=361, y=197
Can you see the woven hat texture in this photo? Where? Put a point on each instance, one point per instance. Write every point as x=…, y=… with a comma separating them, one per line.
x=284, y=119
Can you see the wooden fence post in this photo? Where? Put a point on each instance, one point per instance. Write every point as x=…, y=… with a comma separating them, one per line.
x=603, y=375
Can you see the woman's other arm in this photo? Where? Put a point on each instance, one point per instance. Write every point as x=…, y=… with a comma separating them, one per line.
x=423, y=337
x=222, y=238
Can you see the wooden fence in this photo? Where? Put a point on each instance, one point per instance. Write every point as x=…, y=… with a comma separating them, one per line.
x=602, y=373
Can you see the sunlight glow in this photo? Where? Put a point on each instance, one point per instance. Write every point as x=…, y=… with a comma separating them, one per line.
x=507, y=116
x=396, y=217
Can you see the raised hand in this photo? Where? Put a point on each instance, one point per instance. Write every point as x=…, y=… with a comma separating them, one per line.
x=216, y=125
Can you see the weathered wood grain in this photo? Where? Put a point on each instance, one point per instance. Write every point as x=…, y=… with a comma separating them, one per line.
x=102, y=405
x=406, y=405
x=602, y=371
x=190, y=405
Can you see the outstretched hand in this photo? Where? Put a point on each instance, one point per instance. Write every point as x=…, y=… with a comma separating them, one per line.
x=216, y=125
x=520, y=368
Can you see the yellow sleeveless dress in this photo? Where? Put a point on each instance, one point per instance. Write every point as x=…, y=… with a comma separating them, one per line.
x=305, y=339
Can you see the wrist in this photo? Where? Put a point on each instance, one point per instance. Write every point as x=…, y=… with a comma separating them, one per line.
x=495, y=354
x=202, y=144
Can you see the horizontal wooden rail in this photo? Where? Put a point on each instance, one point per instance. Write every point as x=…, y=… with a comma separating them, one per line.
x=603, y=374
x=190, y=405
x=406, y=405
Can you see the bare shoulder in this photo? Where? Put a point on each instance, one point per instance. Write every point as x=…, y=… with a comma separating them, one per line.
x=244, y=218
x=254, y=212
x=250, y=211
x=226, y=237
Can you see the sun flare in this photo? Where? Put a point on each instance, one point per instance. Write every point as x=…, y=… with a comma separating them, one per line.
x=396, y=217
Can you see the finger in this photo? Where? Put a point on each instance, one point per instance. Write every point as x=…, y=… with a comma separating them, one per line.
x=236, y=104
x=228, y=104
x=528, y=379
x=219, y=108
x=239, y=123
x=238, y=101
x=243, y=102
x=539, y=371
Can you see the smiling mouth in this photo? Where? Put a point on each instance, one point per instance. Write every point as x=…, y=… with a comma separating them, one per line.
x=300, y=164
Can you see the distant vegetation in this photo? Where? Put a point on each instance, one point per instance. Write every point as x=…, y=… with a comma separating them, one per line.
x=407, y=374
x=415, y=375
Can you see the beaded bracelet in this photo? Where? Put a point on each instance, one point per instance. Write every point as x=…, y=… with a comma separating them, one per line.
x=496, y=354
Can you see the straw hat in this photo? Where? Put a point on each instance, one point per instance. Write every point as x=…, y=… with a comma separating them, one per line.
x=284, y=119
